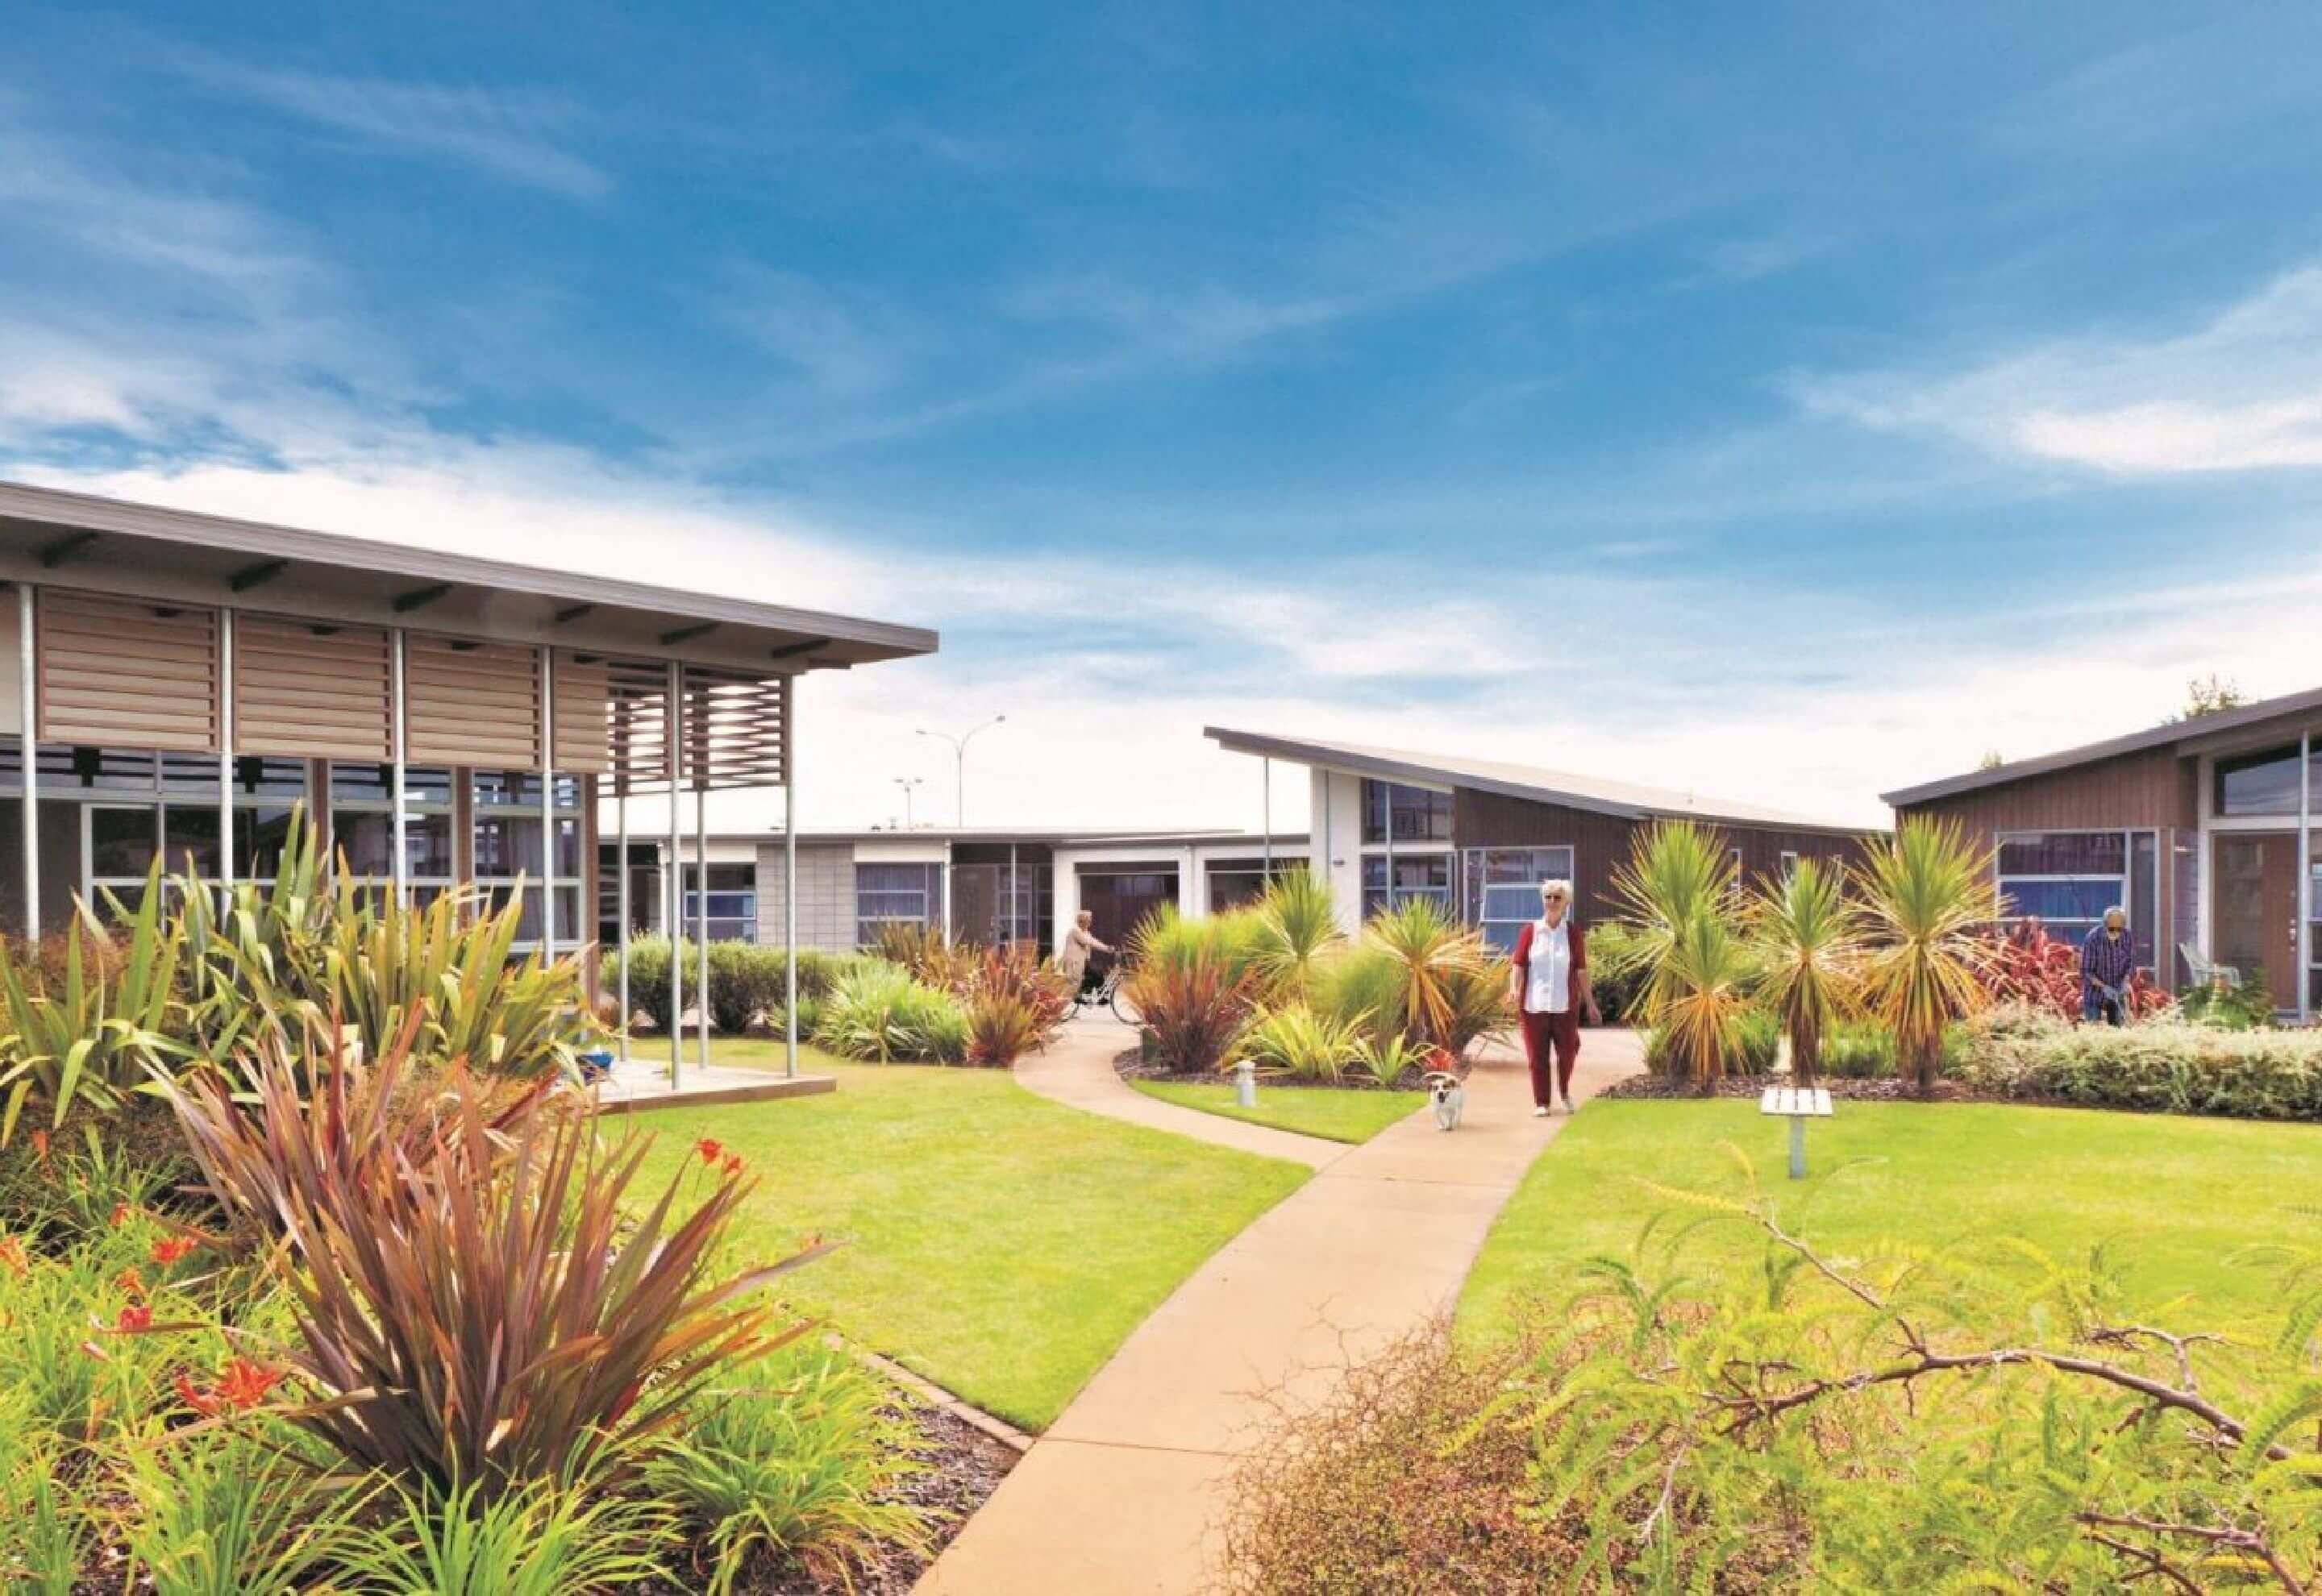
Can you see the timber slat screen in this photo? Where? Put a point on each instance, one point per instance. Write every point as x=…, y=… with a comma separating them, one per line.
x=313, y=691
x=737, y=727
x=583, y=701
x=471, y=703
x=125, y=672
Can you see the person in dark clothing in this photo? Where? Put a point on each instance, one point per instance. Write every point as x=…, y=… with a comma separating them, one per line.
x=2107, y=961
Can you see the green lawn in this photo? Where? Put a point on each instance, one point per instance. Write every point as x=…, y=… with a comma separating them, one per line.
x=1332, y=1114
x=2171, y=1198
x=998, y=1243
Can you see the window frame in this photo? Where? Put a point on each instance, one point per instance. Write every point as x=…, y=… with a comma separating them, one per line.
x=1475, y=885
x=2122, y=890
x=522, y=808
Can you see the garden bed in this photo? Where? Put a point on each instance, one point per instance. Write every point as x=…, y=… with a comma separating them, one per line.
x=1882, y=1090
x=1132, y=1065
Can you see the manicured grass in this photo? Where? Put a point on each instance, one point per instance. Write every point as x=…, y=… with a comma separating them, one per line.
x=998, y=1243
x=1334, y=1115
x=2170, y=1197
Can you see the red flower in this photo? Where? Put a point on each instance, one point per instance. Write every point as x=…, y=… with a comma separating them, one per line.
x=709, y=1147
x=130, y=1281
x=12, y=1256
x=170, y=1248
x=135, y=1316
x=121, y=1212
x=732, y=1164
x=194, y=1396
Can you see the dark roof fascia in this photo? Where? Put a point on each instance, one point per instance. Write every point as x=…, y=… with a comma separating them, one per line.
x=91, y=512
x=2204, y=729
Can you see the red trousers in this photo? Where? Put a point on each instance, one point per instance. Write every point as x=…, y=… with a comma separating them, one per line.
x=1544, y=1034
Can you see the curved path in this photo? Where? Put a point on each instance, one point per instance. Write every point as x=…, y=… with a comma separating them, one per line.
x=1119, y=1494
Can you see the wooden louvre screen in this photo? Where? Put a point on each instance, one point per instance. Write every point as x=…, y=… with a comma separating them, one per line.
x=584, y=687
x=313, y=691
x=471, y=703
x=127, y=672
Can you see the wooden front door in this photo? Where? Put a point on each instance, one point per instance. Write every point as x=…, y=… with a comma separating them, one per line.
x=2254, y=925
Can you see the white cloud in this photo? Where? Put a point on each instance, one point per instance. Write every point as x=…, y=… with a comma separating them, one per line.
x=512, y=133
x=2241, y=392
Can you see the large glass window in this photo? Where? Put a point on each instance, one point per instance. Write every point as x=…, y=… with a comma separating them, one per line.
x=733, y=901
x=508, y=833
x=1414, y=875
x=1417, y=814
x=1502, y=888
x=2262, y=783
x=895, y=895
x=362, y=826
x=2066, y=880
x=1236, y=881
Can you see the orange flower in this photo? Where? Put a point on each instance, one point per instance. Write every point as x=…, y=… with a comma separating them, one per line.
x=40, y=1147
x=243, y=1384
x=130, y=1281
x=170, y=1248
x=732, y=1164
x=12, y=1256
x=709, y=1147
x=135, y=1316
x=121, y=1212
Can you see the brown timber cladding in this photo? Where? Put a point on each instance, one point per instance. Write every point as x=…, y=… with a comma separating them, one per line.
x=1601, y=843
x=313, y=691
x=583, y=694
x=471, y=703
x=127, y=673
x=2136, y=789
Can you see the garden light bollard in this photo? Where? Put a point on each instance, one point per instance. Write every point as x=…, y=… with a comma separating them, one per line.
x=1798, y=1104
x=1244, y=1085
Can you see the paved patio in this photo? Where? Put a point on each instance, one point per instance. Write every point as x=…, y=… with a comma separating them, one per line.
x=1119, y=1495
x=640, y=1084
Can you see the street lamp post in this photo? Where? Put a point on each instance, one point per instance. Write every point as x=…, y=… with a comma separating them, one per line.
x=959, y=761
x=910, y=784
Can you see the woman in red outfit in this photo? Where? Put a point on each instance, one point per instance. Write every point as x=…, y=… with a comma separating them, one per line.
x=1548, y=983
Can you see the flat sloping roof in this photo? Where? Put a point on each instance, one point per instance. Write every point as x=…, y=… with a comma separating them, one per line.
x=1626, y=800
x=52, y=536
x=2167, y=735
x=1048, y=836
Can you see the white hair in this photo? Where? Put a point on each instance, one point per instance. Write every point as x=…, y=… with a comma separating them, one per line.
x=1555, y=884
x=2116, y=910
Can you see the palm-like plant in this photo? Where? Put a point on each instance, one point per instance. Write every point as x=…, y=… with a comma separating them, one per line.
x=1297, y=926
x=1700, y=994
x=1448, y=979
x=1930, y=892
x=1808, y=936
x=1678, y=871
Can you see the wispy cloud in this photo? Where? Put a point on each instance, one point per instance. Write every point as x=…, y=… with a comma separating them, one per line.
x=519, y=134
x=2243, y=391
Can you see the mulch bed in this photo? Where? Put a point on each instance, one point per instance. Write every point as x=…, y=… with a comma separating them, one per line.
x=963, y=1467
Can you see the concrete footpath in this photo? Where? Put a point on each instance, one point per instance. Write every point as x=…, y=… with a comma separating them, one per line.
x=1121, y=1493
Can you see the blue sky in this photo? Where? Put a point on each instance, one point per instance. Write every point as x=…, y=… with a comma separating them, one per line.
x=1780, y=402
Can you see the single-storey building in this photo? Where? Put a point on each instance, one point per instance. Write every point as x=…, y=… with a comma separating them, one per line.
x=2200, y=829
x=982, y=885
x=1479, y=836
x=172, y=684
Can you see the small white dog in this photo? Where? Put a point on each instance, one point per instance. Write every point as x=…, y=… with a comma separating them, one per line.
x=1449, y=1095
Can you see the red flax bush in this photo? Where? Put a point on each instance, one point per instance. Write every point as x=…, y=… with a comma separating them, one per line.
x=2031, y=967
x=476, y=1305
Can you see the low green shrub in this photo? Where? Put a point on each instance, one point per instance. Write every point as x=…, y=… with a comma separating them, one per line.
x=1299, y=1044
x=1858, y=1050
x=1757, y=1046
x=543, y=1539
x=875, y=1012
x=746, y=979
x=801, y=1459
x=1362, y=987
x=2175, y=1066
x=2248, y=1006
x=1619, y=962
x=226, y=1513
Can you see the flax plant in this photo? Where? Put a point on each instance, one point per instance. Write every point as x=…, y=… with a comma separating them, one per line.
x=1807, y=938
x=1451, y=988
x=1930, y=894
